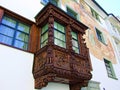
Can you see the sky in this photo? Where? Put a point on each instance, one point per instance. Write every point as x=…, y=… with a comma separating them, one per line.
x=110, y=6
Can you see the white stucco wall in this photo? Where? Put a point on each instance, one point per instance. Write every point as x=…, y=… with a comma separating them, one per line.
x=16, y=71
x=100, y=74
x=26, y=8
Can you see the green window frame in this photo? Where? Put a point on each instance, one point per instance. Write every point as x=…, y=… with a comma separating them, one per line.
x=59, y=35
x=95, y=15
x=75, y=42
x=71, y=13
x=100, y=36
x=92, y=85
x=109, y=68
x=55, y=2
x=14, y=32
x=44, y=35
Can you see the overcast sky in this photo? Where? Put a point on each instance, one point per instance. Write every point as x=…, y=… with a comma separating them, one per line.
x=110, y=6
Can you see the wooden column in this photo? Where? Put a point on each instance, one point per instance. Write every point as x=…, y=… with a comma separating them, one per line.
x=1, y=13
x=34, y=41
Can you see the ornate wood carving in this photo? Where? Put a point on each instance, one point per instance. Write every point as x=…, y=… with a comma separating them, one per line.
x=54, y=63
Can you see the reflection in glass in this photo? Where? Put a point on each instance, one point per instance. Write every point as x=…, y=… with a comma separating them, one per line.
x=23, y=28
x=20, y=44
x=8, y=21
x=5, y=39
x=6, y=31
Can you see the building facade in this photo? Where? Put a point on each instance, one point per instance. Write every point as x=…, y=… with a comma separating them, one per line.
x=58, y=44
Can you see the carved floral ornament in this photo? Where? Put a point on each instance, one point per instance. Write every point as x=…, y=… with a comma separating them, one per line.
x=56, y=64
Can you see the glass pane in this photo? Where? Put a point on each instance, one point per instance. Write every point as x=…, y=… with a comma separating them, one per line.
x=74, y=35
x=6, y=31
x=44, y=43
x=59, y=27
x=59, y=35
x=20, y=44
x=45, y=1
x=53, y=2
x=5, y=39
x=45, y=28
x=59, y=43
x=75, y=43
x=8, y=21
x=23, y=28
x=76, y=49
x=22, y=36
x=55, y=25
x=44, y=37
x=71, y=13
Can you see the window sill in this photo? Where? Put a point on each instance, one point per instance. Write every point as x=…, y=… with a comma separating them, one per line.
x=102, y=42
x=16, y=48
x=113, y=77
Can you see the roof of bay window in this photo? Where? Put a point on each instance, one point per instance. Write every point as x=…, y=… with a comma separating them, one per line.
x=60, y=16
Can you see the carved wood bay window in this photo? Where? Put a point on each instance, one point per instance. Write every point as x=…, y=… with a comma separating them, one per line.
x=62, y=55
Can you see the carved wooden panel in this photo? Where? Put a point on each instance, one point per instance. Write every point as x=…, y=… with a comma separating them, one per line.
x=61, y=60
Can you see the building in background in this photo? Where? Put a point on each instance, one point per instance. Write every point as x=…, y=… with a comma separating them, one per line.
x=43, y=46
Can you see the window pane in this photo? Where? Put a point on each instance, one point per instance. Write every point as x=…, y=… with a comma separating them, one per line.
x=55, y=25
x=44, y=29
x=20, y=44
x=45, y=1
x=5, y=39
x=76, y=49
x=44, y=37
x=59, y=35
x=6, y=31
x=23, y=28
x=53, y=2
x=74, y=35
x=22, y=36
x=60, y=43
x=71, y=13
x=75, y=43
x=44, y=43
x=8, y=21
x=59, y=27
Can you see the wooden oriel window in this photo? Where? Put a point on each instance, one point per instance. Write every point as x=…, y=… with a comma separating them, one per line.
x=63, y=56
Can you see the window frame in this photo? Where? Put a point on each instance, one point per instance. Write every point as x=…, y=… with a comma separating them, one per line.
x=64, y=33
x=77, y=40
x=95, y=14
x=92, y=84
x=55, y=38
x=100, y=36
x=47, y=1
x=109, y=65
x=16, y=30
x=75, y=15
x=46, y=31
